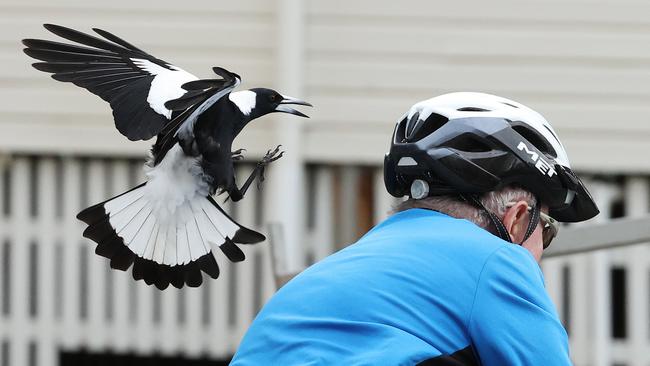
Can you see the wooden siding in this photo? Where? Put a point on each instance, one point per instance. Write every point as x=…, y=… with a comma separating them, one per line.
x=583, y=64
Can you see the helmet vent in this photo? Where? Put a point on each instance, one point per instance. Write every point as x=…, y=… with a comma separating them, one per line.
x=400, y=131
x=512, y=105
x=426, y=127
x=469, y=143
x=536, y=139
x=472, y=109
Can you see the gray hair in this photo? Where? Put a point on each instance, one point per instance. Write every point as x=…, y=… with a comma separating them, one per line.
x=495, y=201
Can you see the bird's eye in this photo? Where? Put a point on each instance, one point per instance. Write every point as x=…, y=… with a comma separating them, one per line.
x=272, y=98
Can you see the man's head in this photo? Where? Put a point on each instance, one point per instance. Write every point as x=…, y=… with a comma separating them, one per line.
x=511, y=205
x=488, y=154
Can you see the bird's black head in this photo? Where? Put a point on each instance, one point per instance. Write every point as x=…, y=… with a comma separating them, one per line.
x=257, y=102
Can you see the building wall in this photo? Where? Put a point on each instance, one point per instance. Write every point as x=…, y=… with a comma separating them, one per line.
x=581, y=63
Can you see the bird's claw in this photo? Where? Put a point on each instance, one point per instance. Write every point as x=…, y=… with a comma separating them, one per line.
x=271, y=155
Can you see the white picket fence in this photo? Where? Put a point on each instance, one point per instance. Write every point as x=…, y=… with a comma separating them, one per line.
x=56, y=294
x=604, y=297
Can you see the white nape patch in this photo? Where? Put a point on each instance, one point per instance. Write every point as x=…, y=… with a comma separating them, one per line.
x=244, y=100
x=166, y=84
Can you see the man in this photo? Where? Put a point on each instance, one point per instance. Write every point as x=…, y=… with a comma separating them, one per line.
x=452, y=278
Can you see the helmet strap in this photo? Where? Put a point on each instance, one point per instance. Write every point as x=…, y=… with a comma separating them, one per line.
x=532, y=224
x=502, y=232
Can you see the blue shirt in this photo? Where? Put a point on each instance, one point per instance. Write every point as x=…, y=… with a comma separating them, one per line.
x=421, y=287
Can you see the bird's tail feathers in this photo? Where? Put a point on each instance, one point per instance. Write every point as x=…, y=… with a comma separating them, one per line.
x=129, y=231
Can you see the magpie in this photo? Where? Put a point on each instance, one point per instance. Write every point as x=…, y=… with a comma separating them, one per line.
x=169, y=227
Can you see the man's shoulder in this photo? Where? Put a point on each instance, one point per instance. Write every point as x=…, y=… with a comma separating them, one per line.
x=513, y=262
x=435, y=231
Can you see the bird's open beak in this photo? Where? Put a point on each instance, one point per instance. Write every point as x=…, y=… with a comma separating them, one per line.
x=290, y=100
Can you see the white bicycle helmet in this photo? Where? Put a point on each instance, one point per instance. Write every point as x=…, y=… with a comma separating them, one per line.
x=471, y=143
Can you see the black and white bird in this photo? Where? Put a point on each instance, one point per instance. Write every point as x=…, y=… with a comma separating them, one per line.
x=168, y=228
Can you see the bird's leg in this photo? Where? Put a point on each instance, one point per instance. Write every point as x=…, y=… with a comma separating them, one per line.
x=271, y=155
x=237, y=154
x=237, y=194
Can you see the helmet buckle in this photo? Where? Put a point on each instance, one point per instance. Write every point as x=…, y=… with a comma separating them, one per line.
x=419, y=189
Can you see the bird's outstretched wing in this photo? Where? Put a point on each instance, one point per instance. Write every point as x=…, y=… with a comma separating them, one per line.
x=136, y=84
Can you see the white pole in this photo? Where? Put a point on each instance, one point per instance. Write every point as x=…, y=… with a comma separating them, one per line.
x=47, y=352
x=96, y=336
x=284, y=186
x=324, y=215
x=71, y=335
x=19, y=238
x=637, y=196
x=604, y=194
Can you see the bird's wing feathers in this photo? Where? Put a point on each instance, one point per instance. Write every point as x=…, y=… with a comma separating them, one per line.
x=201, y=95
x=213, y=90
x=136, y=84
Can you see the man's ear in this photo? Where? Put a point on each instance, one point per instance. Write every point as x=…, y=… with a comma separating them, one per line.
x=516, y=221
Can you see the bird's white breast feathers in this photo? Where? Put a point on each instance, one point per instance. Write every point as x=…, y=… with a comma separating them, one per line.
x=176, y=180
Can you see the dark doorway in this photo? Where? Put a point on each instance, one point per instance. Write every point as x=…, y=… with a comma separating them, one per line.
x=84, y=358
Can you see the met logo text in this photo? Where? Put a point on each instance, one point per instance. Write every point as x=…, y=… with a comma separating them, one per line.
x=540, y=163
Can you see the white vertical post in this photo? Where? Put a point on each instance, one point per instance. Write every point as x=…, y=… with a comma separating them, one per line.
x=266, y=252
x=285, y=181
x=47, y=233
x=4, y=230
x=225, y=339
x=144, y=328
x=245, y=286
x=553, y=279
x=581, y=315
x=194, y=339
x=323, y=240
x=600, y=278
x=267, y=287
x=194, y=335
x=95, y=334
x=275, y=238
x=219, y=330
x=168, y=319
x=71, y=256
x=121, y=339
x=20, y=226
x=637, y=196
